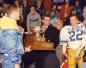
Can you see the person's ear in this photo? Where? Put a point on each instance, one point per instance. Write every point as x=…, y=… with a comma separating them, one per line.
x=42, y=20
x=77, y=20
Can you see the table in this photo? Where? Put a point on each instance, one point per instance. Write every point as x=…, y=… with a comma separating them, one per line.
x=31, y=40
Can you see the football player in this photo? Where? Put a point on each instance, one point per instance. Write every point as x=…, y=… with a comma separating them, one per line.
x=73, y=37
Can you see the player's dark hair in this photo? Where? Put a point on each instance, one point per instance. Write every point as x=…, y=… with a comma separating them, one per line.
x=46, y=15
x=72, y=15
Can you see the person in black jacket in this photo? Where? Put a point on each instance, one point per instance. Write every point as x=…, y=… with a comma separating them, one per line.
x=51, y=34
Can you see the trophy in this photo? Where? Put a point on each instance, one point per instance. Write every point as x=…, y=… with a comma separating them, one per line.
x=37, y=31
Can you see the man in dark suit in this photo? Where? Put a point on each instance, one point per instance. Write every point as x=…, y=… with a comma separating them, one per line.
x=52, y=35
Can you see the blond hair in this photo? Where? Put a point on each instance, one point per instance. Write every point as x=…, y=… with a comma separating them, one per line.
x=58, y=21
x=11, y=8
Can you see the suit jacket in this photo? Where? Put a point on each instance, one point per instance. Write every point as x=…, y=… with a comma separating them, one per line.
x=52, y=34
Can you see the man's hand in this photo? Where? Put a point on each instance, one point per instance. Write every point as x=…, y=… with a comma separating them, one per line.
x=28, y=49
x=25, y=32
x=78, y=54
